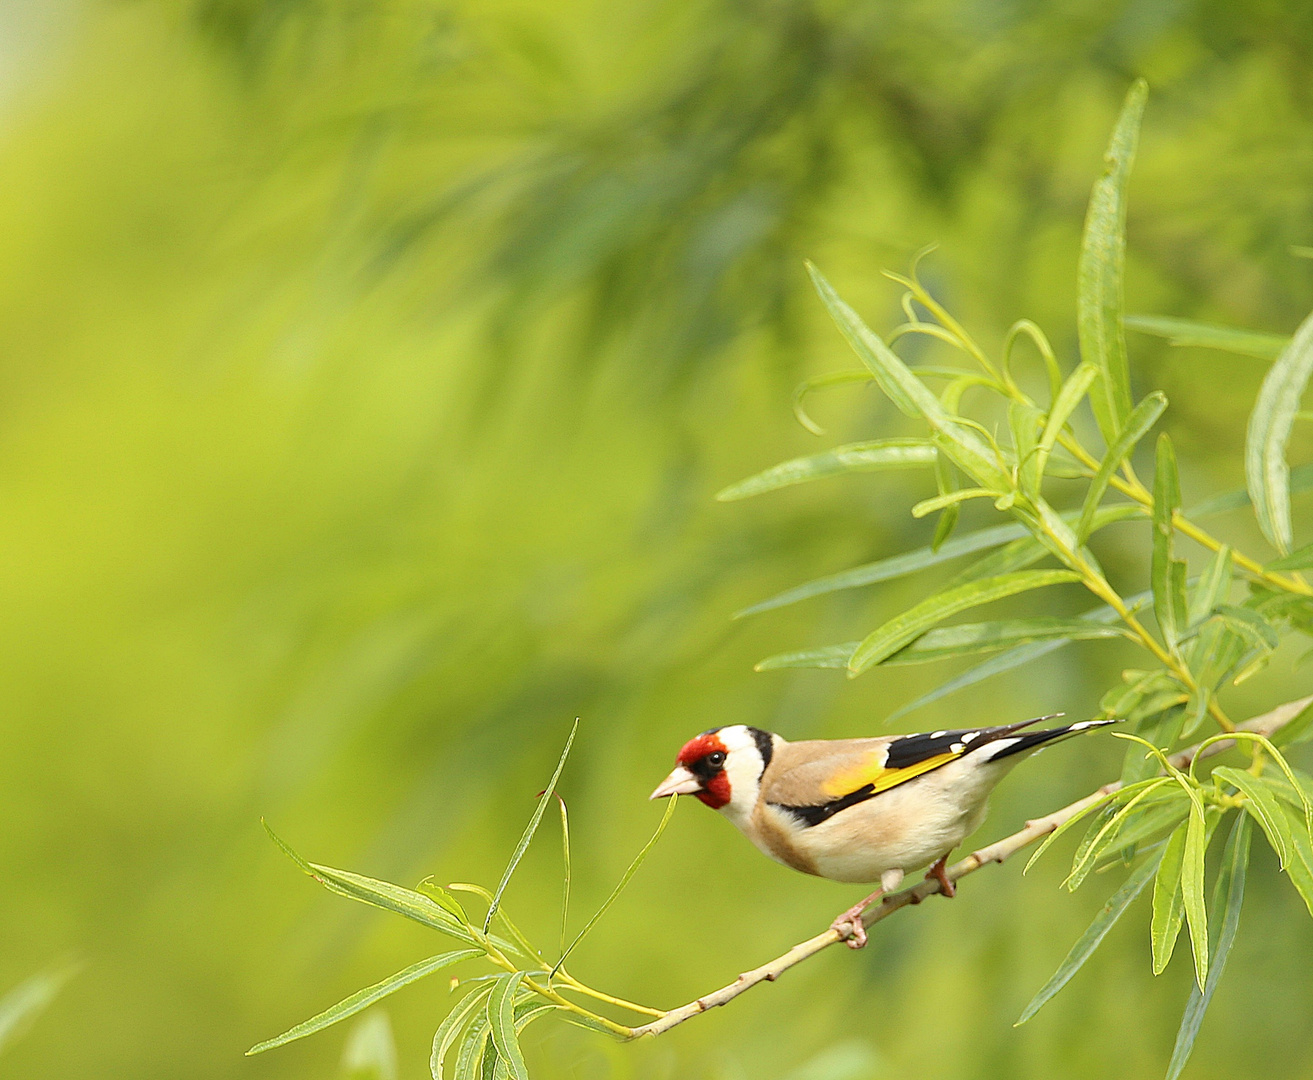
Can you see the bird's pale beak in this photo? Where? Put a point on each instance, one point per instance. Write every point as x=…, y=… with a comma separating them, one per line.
x=679, y=782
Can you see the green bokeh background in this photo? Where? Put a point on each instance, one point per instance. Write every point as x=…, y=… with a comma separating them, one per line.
x=367, y=371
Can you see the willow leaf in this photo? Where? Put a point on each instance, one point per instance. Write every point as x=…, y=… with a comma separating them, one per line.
x=1229, y=895
x=1186, y=332
x=1099, y=276
x=451, y=1027
x=1070, y=396
x=912, y=397
x=1192, y=889
x=905, y=628
x=501, y=1016
x=1142, y=418
x=1091, y=939
x=1266, y=473
x=529, y=830
x=1168, y=905
x=363, y=999
x=1264, y=807
x=1167, y=574
x=873, y=456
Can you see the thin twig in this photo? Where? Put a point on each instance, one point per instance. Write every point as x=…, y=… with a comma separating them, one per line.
x=993, y=853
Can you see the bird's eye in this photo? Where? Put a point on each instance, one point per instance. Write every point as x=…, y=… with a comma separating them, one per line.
x=716, y=760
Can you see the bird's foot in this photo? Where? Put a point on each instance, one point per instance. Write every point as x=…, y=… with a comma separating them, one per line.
x=946, y=886
x=849, y=925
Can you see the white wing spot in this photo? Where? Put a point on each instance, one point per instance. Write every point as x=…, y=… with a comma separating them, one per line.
x=938, y=734
x=957, y=748
x=970, y=735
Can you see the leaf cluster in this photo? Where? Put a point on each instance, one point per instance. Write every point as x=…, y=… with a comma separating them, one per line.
x=480, y=1037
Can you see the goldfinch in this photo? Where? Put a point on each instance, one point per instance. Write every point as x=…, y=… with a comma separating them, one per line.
x=858, y=810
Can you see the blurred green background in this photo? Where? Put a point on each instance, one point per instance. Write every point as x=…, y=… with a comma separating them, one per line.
x=367, y=370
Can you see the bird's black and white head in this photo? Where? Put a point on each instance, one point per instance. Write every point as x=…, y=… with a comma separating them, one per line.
x=722, y=767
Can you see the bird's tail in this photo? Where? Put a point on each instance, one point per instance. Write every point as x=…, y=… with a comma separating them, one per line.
x=1006, y=744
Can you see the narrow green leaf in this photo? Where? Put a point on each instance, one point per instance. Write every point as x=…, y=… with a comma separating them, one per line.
x=565, y=855
x=1072, y=393
x=1301, y=480
x=1186, y=332
x=1099, y=276
x=363, y=999
x=443, y=898
x=1229, y=895
x=452, y=1026
x=969, y=451
x=620, y=885
x=1166, y=573
x=894, y=567
x=1141, y=419
x=501, y=1014
x=1168, y=904
x=469, y=1058
x=1296, y=560
x=1266, y=471
x=1300, y=868
x=1296, y=730
x=1156, y=821
x=1111, y=799
x=1091, y=939
x=1249, y=625
x=820, y=382
x=1007, y=661
x=1024, y=422
x=529, y=830
x=1192, y=890
x=950, y=499
x=1263, y=806
x=945, y=481
x=1213, y=586
x=26, y=1001
x=1106, y=834
x=875, y=455
x=902, y=629
x=949, y=641
x=1018, y=555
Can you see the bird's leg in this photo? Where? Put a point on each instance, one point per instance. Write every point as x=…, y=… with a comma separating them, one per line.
x=946, y=887
x=849, y=924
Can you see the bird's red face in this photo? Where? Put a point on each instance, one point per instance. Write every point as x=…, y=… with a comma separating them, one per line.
x=700, y=772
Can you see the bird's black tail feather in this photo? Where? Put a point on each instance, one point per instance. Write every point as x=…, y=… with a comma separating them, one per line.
x=1006, y=745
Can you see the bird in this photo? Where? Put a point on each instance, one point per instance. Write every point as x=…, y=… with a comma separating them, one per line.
x=857, y=810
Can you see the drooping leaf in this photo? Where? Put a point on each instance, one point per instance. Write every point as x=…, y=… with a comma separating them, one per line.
x=872, y=456
x=1167, y=574
x=1169, y=810
x=1024, y=423
x=1266, y=472
x=1262, y=805
x=452, y=1025
x=969, y=452
x=1192, y=890
x=945, y=481
x=951, y=499
x=1142, y=418
x=501, y=1016
x=1091, y=939
x=1300, y=867
x=529, y=830
x=363, y=999
x=1168, y=904
x=1213, y=586
x=565, y=859
x=1099, y=276
x=905, y=628
x=1186, y=332
x=1249, y=625
x=1228, y=895
x=473, y=1048
x=1104, y=836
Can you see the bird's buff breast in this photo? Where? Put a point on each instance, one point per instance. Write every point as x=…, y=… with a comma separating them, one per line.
x=900, y=829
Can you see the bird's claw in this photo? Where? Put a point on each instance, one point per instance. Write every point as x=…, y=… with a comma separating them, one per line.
x=938, y=872
x=850, y=929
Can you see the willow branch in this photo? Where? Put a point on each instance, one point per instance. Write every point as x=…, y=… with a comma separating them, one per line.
x=997, y=852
